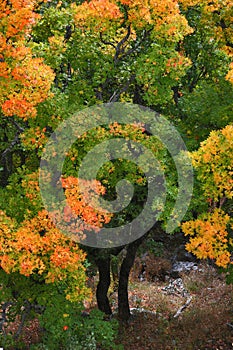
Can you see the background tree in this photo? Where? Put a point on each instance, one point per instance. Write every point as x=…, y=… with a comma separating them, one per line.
x=210, y=233
x=202, y=96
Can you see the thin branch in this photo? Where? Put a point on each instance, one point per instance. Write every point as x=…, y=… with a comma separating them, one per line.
x=120, y=49
x=27, y=308
x=181, y=309
x=106, y=42
x=145, y=34
x=15, y=141
x=222, y=201
x=12, y=144
x=68, y=33
x=21, y=325
x=18, y=127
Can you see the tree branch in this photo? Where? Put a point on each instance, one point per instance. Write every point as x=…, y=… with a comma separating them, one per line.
x=115, y=96
x=177, y=314
x=106, y=42
x=15, y=141
x=119, y=48
x=145, y=34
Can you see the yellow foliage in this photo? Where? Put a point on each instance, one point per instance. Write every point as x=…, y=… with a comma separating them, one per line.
x=214, y=164
x=163, y=15
x=209, y=233
x=209, y=237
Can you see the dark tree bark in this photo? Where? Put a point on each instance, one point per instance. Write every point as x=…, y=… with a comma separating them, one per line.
x=123, y=301
x=103, y=265
x=137, y=95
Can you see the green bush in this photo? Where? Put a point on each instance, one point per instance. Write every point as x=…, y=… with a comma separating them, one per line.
x=63, y=323
x=65, y=327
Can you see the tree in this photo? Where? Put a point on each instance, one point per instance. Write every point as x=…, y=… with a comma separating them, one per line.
x=43, y=272
x=34, y=253
x=111, y=55
x=166, y=55
x=202, y=95
x=210, y=232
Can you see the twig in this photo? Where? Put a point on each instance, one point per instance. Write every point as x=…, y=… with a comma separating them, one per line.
x=8, y=149
x=129, y=51
x=18, y=127
x=177, y=314
x=27, y=309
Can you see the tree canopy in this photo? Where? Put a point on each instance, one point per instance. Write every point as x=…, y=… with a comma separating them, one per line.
x=59, y=57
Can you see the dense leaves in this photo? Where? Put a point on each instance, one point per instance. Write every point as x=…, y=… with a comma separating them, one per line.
x=37, y=247
x=210, y=232
x=25, y=80
x=59, y=57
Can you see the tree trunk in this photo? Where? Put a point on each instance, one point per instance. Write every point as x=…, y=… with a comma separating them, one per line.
x=128, y=261
x=123, y=301
x=103, y=285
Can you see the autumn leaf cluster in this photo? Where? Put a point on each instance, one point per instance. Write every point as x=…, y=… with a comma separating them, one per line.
x=25, y=80
x=38, y=247
x=210, y=232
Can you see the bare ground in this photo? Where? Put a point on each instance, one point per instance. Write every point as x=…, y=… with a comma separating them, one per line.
x=206, y=323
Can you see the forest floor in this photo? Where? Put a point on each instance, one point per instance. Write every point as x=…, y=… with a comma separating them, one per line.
x=206, y=323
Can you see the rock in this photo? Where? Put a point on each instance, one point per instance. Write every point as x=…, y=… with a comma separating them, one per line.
x=176, y=287
x=184, y=266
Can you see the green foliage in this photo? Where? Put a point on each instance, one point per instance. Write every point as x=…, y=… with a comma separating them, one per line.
x=157, y=65
x=23, y=295
x=208, y=107
x=64, y=326
x=156, y=248
x=13, y=198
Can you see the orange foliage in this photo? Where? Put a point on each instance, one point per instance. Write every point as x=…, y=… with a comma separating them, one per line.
x=214, y=164
x=25, y=80
x=98, y=13
x=34, y=138
x=38, y=247
x=80, y=202
x=162, y=15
